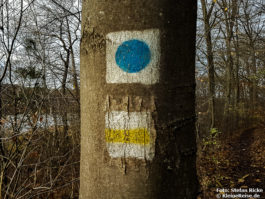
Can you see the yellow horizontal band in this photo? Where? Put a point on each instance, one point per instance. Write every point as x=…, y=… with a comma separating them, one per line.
x=133, y=136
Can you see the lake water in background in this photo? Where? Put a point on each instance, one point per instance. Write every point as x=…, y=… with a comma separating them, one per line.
x=23, y=123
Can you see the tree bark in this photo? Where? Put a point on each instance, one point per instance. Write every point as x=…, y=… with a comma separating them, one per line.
x=115, y=161
x=230, y=17
x=237, y=78
x=253, y=95
x=208, y=37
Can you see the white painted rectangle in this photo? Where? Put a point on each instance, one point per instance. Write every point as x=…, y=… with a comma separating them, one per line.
x=130, y=134
x=150, y=40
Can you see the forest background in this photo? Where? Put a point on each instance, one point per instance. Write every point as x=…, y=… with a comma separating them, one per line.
x=39, y=93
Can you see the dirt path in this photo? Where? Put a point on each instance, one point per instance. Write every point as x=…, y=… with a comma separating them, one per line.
x=248, y=161
x=236, y=163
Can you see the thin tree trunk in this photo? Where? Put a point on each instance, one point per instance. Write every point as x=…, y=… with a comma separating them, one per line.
x=65, y=101
x=229, y=14
x=254, y=80
x=207, y=35
x=237, y=64
x=237, y=87
x=75, y=80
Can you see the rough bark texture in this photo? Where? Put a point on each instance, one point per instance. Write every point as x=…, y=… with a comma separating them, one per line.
x=172, y=171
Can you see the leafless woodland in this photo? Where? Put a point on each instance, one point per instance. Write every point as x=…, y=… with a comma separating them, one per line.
x=39, y=87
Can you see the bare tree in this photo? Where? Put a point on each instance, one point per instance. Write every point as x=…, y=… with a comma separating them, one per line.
x=36, y=153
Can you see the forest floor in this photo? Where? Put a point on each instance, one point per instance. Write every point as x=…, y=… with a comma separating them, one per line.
x=234, y=167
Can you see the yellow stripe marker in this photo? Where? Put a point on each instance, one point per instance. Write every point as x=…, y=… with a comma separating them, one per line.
x=133, y=136
x=130, y=134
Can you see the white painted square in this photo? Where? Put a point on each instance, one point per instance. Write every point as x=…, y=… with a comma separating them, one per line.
x=119, y=120
x=148, y=75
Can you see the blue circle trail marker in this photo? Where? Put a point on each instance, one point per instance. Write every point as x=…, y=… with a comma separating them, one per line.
x=133, y=56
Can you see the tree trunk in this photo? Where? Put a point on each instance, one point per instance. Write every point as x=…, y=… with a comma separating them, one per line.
x=75, y=80
x=208, y=38
x=230, y=80
x=65, y=100
x=237, y=83
x=137, y=98
x=254, y=80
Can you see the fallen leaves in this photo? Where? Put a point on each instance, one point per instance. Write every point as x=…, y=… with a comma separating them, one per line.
x=236, y=168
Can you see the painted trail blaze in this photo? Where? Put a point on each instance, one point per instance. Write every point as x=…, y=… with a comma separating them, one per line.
x=133, y=56
x=130, y=134
x=135, y=136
